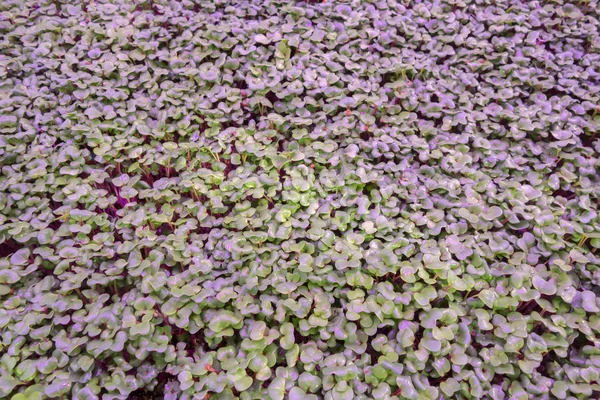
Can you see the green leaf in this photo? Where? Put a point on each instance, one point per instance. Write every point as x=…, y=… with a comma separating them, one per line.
x=7, y=384
x=425, y=296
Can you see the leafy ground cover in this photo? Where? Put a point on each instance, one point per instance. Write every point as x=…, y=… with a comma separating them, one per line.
x=280, y=199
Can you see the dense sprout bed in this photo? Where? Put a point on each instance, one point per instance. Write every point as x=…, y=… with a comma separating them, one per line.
x=269, y=200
